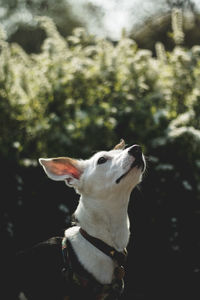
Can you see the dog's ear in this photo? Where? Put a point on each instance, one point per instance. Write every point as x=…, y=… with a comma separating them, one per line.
x=120, y=146
x=62, y=168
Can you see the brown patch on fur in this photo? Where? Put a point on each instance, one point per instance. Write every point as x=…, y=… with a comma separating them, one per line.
x=120, y=146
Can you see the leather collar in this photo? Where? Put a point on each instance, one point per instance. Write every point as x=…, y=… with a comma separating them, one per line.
x=119, y=257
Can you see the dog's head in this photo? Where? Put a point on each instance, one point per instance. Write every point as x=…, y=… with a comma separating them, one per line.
x=105, y=172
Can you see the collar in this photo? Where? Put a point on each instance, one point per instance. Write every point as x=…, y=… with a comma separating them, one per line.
x=119, y=257
x=80, y=280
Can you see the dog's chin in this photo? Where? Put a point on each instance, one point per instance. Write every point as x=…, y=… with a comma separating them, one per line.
x=138, y=164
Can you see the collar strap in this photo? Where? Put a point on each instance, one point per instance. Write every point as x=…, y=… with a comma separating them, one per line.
x=120, y=257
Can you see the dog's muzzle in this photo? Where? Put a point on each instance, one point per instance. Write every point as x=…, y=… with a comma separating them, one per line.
x=136, y=152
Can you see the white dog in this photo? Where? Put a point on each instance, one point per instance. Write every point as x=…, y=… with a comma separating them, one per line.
x=104, y=182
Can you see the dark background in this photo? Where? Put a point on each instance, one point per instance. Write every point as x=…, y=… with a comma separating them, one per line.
x=163, y=250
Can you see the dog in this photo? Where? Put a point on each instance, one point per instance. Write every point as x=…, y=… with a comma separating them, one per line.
x=89, y=260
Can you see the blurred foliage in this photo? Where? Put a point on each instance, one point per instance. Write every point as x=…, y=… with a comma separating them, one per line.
x=21, y=13
x=19, y=22
x=158, y=28
x=83, y=87
x=82, y=94
x=18, y=19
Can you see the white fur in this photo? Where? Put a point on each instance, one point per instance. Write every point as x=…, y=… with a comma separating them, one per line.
x=102, y=209
x=96, y=262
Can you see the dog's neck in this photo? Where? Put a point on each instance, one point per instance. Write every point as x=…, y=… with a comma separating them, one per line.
x=105, y=219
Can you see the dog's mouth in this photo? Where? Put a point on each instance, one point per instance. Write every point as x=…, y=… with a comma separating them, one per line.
x=138, y=162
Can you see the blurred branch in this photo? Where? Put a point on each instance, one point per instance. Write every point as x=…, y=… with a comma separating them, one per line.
x=182, y=4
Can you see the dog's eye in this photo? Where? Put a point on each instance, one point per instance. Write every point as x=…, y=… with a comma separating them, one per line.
x=101, y=160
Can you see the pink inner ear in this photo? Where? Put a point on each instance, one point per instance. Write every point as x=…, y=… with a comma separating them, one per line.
x=62, y=167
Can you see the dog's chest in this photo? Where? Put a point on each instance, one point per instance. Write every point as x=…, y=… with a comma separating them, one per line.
x=83, y=282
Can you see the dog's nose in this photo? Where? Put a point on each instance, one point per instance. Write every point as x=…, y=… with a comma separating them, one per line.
x=135, y=151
